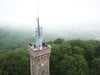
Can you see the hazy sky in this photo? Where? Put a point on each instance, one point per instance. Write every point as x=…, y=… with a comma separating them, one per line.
x=53, y=13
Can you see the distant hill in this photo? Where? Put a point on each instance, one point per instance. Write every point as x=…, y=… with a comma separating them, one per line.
x=11, y=39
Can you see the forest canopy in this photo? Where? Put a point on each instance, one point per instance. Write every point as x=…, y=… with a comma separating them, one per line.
x=68, y=57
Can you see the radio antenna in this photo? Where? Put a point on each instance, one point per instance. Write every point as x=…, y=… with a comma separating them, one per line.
x=38, y=30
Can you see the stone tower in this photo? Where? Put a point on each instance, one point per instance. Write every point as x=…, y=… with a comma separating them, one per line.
x=39, y=54
x=39, y=61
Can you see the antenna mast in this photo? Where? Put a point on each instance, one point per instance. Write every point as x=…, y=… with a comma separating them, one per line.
x=38, y=31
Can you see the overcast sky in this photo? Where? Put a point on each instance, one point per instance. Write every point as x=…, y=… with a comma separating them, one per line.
x=53, y=13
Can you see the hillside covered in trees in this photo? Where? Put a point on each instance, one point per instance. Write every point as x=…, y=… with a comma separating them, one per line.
x=71, y=57
x=11, y=39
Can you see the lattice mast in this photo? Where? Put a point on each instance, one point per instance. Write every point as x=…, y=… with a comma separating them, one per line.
x=38, y=32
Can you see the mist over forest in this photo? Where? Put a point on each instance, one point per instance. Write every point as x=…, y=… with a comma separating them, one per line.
x=68, y=57
x=69, y=32
x=74, y=52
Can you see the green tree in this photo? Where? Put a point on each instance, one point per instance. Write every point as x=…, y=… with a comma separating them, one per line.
x=77, y=50
x=15, y=62
x=95, y=69
x=59, y=41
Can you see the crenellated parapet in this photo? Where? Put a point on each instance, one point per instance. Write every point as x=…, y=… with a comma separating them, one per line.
x=35, y=52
